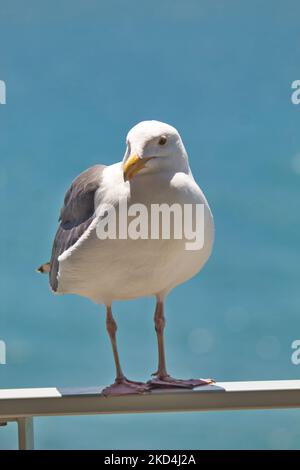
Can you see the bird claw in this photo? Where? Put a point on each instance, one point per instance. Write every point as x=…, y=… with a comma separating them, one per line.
x=125, y=387
x=169, y=382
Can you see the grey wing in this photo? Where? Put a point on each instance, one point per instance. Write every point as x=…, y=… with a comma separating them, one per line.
x=76, y=215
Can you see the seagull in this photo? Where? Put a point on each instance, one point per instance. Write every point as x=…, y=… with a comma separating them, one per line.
x=154, y=171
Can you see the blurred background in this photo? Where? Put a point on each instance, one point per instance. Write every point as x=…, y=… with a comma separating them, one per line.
x=79, y=75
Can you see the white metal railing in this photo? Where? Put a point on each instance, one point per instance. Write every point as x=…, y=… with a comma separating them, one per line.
x=22, y=405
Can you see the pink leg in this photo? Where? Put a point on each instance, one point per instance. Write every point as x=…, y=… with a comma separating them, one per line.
x=122, y=385
x=161, y=378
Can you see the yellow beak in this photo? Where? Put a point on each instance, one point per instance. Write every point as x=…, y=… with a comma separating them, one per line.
x=133, y=165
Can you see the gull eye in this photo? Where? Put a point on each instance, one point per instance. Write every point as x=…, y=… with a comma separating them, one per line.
x=162, y=140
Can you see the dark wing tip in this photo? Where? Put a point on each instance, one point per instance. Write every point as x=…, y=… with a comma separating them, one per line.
x=44, y=268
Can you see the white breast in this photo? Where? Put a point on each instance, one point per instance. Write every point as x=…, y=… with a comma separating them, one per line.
x=107, y=270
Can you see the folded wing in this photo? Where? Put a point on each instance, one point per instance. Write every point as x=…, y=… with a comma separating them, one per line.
x=76, y=215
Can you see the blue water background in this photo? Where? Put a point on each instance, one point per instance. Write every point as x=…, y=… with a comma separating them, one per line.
x=79, y=75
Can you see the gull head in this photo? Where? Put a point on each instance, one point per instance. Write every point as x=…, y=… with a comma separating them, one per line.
x=153, y=146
